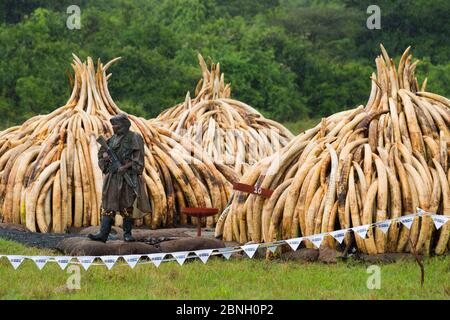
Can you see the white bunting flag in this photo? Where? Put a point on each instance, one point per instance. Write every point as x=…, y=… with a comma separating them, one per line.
x=16, y=261
x=63, y=261
x=180, y=256
x=86, y=261
x=420, y=212
x=156, y=258
x=407, y=220
x=40, y=261
x=383, y=225
x=294, y=243
x=317, y=240
x=226, y=252
x=132, y=260
x=204, y=254
x=339, y=235
x=250, y=249
x=439, y=221
x=361, y=230
x=109, y=261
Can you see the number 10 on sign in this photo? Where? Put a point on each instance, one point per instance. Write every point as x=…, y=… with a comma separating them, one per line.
x=256, y=189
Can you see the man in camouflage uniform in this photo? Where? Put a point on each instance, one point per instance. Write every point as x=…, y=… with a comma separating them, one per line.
x=117, y=196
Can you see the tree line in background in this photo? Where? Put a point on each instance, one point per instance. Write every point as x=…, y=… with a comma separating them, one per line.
x=291, y=59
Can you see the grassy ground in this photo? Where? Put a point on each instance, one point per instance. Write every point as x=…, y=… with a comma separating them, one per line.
x=237, y=278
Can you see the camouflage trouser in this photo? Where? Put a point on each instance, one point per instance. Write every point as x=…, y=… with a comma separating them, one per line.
x=125, y=213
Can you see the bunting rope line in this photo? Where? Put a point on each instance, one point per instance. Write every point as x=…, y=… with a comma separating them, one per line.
x=249, y=249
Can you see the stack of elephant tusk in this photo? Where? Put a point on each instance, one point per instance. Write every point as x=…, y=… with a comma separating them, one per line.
x=357, y=167
x=50, y=179
x=231, y=132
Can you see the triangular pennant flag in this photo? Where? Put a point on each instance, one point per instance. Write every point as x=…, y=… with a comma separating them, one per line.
x=86, y=261
x=109, y=261
x=317, y=239
x=294, y=243
x=16, y=261
x=63, y=261
x=180, y=256
x=339, y=235
x=132, y=260
x=226, y=252
x=272, y=248
x=384, y=225
x=361, y=230
x=250, y=249
x=156, y=258
x=40, y=261
x=407, y=220
x=204, y=254
x=420, y=212
x=439, y=221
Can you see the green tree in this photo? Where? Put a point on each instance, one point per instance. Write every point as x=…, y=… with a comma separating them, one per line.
x=288, y=58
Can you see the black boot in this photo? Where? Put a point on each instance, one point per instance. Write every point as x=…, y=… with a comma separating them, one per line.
x=105, y=229
x=127, y=225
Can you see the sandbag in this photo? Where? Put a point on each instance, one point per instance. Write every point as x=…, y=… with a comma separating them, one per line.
x=144, y=234
x=86, y=247
x=303, y=254
x=115, y=231
x=190, y=244
x=14, y=227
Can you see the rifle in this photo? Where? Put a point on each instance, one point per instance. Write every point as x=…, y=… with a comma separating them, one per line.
x=115, y=163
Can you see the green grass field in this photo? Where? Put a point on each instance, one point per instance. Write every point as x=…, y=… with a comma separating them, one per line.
x=237, y=278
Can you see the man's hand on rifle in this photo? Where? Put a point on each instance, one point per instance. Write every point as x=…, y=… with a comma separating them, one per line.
x=124, y=168
x=106, y=157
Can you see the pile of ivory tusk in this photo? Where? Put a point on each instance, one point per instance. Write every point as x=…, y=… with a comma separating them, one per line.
x=231, y=132
x=50, y=179
x=357, y=167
